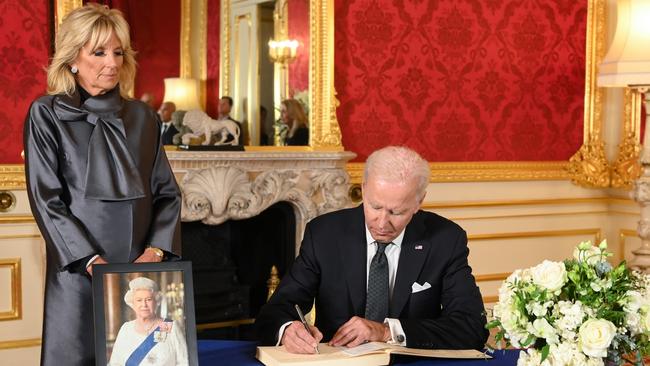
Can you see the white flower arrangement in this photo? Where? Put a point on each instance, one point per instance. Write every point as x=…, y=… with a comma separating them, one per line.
x=577, y=312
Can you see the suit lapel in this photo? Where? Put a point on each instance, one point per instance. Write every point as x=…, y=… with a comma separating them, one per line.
x=353, y=251
x=411, y=259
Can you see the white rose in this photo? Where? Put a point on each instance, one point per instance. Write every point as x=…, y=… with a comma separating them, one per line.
x=542, y=329
x=595, y=335
x=590, y=255
x=549, y=275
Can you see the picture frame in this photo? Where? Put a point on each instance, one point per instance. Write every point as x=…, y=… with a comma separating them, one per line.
x=155, y=325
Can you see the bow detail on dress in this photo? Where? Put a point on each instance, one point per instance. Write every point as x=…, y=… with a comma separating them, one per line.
x=111, y=173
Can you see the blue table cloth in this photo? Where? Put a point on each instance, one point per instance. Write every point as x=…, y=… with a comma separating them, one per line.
x=242, y=353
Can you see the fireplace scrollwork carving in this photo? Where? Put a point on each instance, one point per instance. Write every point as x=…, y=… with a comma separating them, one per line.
x=217, y=194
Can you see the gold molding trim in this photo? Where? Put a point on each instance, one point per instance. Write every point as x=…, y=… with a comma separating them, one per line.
x=20, y=236
x=224, y=70
x=589, y=167
x=17, y=219
x=537, y=234
x=203, y=53
x=325, y=133
x=533, y=202
x=622, y=234
x=194, y=28
x=483, y=171
x=186, y=29
x=12, y=176
x=551, y=215
x=324, y=129
x=626, y=168
x=21, y=343
x=492, y=277
x=489, y=299
x=63, y=7
x=16, y=311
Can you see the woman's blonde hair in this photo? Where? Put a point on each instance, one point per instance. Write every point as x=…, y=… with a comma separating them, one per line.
x=92, y=24
x=295, y=112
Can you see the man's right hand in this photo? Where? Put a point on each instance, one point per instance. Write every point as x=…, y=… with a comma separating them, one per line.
x=296, y=339
x=98, y=260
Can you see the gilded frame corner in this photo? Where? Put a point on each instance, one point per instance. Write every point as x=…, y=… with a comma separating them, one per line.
x=589, y=167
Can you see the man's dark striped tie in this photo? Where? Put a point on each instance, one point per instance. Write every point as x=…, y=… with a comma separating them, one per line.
x=377, y=298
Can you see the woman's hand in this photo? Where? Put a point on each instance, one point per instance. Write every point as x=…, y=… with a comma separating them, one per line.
x=150, y=255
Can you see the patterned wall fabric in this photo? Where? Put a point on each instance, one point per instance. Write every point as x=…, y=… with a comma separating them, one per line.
x=462, y=80
x=155, y=26
x=299, y=30
x=24, y=51
x=155, y=36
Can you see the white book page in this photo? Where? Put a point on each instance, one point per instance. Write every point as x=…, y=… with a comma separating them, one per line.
x=365, y=348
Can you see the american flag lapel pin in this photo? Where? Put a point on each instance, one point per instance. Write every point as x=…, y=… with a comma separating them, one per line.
x=418, y=247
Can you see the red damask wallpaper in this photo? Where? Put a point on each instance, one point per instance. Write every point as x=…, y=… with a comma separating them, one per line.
x=462, y=80
x=24, y=50
x=155, y=35
x=213, y=55
x=299, y=30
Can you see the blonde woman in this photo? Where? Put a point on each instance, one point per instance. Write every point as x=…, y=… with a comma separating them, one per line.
x=99, y=184
x=293, y=115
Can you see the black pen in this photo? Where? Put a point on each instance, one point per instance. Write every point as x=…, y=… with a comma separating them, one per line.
x=304, y=322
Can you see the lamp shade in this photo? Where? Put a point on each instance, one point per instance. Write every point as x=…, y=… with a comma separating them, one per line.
x=627, y=62
x=183, y=92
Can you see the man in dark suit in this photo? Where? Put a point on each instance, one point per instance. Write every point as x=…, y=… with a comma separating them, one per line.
x=225, y=106
x=167, y=128
x=426, y=298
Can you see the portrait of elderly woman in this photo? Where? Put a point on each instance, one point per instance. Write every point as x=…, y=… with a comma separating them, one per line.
x=99, y=184
x=148, y=339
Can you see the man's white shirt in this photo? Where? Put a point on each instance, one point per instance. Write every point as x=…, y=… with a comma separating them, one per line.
x=392, y=255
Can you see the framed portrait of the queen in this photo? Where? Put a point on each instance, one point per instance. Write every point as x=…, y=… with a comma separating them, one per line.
x=144, y=314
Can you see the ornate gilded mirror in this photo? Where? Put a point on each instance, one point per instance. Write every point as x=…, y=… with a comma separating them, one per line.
x=245, y=33
x=319, y=95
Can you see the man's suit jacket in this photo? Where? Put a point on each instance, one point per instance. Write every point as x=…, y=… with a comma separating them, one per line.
x=331, y=269
x=168, y=136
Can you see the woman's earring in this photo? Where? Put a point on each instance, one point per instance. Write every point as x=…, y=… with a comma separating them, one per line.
x=74, y=69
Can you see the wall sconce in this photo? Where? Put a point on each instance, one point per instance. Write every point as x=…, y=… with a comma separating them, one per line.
x=183, y=92
x=627, y=64
x=283, y=51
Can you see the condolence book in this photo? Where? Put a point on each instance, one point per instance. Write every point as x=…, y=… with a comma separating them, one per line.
x=369, y=354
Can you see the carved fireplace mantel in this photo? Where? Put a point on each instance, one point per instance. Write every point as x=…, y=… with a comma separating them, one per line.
x=220, y=186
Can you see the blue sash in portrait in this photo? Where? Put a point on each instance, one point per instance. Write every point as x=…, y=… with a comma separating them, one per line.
x=139, y=353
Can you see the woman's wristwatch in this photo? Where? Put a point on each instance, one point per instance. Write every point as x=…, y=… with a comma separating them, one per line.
x=157, y=251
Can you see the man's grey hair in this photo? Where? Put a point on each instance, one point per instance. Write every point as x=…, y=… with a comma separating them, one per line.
x=398, y=164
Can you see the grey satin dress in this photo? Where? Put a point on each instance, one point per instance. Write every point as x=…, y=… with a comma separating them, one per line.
x=98, y=182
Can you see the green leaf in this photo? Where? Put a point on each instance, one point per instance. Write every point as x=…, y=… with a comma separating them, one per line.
x=529, y=340
x=545, y=351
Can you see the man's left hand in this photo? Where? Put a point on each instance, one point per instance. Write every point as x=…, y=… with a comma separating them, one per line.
x=358, y=330
x=149, y=256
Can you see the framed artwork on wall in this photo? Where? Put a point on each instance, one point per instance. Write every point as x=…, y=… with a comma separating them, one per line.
x=144, y=314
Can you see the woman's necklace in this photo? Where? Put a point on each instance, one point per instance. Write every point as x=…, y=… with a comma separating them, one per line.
x=152, y=326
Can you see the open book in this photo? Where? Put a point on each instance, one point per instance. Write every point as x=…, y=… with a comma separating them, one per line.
x=369, y=354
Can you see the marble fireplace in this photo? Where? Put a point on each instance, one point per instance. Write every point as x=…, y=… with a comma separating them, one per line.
x=223, y=190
